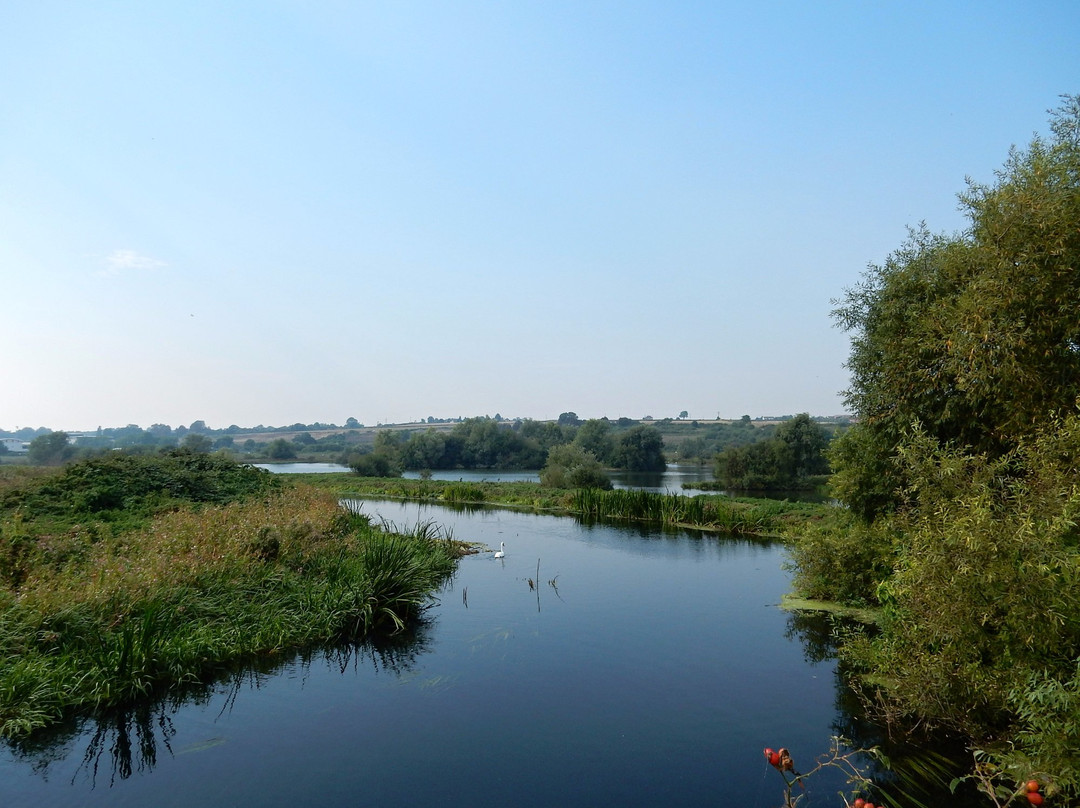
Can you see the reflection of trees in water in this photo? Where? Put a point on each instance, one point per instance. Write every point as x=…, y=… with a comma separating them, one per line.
x=817, y=633
x=653, y=531
x=129, y=740
x=915, y=766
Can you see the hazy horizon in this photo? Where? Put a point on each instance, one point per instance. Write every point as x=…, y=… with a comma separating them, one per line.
x=414, y=422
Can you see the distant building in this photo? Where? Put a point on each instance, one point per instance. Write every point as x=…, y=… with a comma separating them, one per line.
x=15, y=445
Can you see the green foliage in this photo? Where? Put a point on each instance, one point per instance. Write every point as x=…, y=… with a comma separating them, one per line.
x=595, y=436
x=197, y=591
x=842, y=559
x=464, y=492
x=279, y=449
x=475, y=443
x=975, y=336
x=963, y=466
x=805, y=441
x=865, y=474
x=716, y=513
x=53, y=521
x=134, y=482
x=545, y=434
x=571, y=466
x=789, y=460
x=702, y=441
x=987, y=581
x=759, y=466
x=427, y=450
x=486, y=444
x=50, y=449
x=196, y=442
x=981, y=623
x=380, y=463
x=640, y=448
x=1048, y=711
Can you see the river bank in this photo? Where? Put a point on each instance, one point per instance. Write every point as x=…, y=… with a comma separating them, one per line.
x=773, y=519
x=124, y=576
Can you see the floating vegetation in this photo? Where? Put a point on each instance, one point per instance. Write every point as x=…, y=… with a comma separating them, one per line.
x=793, y=603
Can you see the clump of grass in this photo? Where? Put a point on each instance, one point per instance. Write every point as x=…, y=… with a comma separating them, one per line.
x=463, y=492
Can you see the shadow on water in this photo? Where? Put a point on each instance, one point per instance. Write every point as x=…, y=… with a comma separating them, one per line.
x=911, y=768
x=130, y=740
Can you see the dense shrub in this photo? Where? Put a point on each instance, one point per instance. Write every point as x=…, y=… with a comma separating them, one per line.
x=842, y=560
x=793, y=458
x=570, y=466
x=374, y=464
x=119, y=480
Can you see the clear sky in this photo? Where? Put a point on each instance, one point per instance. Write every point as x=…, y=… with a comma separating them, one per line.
x=271, y=212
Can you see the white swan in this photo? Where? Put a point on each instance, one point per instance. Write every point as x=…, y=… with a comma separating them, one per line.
x=501, y=552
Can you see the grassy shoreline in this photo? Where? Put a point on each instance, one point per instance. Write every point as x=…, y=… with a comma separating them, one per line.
x=771, y=519
x=101, y=606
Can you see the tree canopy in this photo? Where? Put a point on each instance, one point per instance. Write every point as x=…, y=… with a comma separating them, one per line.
x=961, y=472
x=786, y=461
x=50, y=449
x=640, y=448
x=974, y=336
x=571, y=466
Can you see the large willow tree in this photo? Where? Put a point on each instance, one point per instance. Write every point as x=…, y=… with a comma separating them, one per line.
x=975, y=337
x=964, y=467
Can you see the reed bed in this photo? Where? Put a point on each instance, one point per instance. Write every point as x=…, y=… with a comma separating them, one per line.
x=747, y=517
x=515, y=494
x=711, y=513
x=195, y=591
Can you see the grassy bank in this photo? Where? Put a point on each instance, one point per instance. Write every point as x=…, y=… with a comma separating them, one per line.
x=751, y=517
x=108, y=595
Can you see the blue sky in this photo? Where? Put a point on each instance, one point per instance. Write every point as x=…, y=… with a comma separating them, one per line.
x=271, y=212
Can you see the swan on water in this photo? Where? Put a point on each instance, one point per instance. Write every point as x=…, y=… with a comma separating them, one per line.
x=501, y=552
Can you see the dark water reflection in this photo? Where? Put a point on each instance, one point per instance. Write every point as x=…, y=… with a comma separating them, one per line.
x=920, y=766
x=102, y=751
x=637, y=667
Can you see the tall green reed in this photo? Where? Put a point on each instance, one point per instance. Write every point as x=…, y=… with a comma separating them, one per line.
x=669, y=509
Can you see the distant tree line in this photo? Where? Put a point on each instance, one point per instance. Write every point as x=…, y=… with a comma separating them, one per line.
x=708, y=440
x=485, y=443
x=470, y=443
x=165, y=435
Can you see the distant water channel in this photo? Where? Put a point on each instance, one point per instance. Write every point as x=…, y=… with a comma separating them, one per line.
x=667, y=481
x=594, y=665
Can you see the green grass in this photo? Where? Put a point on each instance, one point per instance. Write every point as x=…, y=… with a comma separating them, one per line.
x=709, y=513
x=744, y=516
x=102, y=608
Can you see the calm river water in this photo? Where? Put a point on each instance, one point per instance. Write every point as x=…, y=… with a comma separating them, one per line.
x=638, y=668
